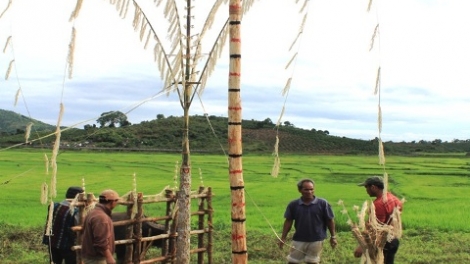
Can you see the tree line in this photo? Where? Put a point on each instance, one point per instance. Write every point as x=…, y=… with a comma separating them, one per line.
x=209, y=134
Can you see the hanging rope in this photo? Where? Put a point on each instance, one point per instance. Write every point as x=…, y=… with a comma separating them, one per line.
x=13, y=67
x=212, y=128
x=285, y=92
x=377, y=91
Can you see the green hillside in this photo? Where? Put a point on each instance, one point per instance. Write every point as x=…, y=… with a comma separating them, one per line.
x=206, y=134
x=13, y=123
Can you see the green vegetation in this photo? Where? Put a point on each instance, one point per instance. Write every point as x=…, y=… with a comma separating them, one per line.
x=13, y=123
x=435, y=187
x=208, y=134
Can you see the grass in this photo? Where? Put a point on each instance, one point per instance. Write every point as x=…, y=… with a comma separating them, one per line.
x=435, y=215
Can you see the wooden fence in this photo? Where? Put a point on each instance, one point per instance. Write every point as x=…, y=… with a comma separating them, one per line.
x=138, y=244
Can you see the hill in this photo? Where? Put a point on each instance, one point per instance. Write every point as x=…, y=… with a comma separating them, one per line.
x=207, y=134
x=12, y=123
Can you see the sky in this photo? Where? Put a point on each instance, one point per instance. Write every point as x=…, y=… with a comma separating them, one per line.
x=421, y=49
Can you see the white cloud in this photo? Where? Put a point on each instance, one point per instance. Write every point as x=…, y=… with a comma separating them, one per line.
x=422, y=51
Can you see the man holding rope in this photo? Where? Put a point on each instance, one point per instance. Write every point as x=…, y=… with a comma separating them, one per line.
x=311, y=217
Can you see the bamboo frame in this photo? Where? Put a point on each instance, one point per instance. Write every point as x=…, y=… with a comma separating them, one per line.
x=137, y=245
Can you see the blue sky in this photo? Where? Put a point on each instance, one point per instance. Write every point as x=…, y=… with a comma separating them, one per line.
x=422, y=51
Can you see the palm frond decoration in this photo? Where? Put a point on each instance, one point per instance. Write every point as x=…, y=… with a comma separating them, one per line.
x=371, y=234
x=178, y=61
x=178, y=56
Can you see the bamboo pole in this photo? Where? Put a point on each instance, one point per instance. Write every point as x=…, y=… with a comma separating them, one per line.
x=239, y=249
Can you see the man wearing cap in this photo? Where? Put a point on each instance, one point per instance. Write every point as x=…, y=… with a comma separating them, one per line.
x=311, y=216
x=62, y=238
x=383, y=212
x=98, y=233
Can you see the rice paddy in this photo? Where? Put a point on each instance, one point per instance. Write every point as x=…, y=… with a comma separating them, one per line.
x=435, y=188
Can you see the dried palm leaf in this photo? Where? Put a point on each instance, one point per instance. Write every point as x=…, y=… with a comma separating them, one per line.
x=75, y=12
x=46, y=161
x=291, y=60
x=44, y=189
x=213, y=55
x=381, y=153
x=28, y=132
x=301, y=30
x=377, y=82
x=50, y=214
x=304, y=5
x=17, y=96
x=9, y=69
x=70, y=55
x=372, y=39
x=369, y=5
x=7, y=43
x=6, y=8
x=55, y=151
x=379, y=118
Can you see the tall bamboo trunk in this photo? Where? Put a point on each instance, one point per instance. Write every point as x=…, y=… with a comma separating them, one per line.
x=183, y=222
x=237, y=185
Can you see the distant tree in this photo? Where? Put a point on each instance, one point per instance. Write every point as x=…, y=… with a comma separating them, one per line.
x=125, y=123
x=112, y=118
x=160, y=116
x=268, y=121
x=288, y=124
x=89, y=127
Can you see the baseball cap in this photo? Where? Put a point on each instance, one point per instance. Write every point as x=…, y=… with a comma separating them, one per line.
x=374, y=180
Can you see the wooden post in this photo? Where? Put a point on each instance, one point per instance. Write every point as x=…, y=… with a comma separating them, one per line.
x=138, y=229
x=165, y=241
x=237, y=185
x=209, y=224
x=129, y=229
x=81, y=218
x=200, y=237
x=172, y=244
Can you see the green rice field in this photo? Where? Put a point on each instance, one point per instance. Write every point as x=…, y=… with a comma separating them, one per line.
x=435, y=188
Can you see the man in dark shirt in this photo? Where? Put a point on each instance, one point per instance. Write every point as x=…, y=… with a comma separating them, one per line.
x=61, y=238
x=98, y=233
x=311, y=217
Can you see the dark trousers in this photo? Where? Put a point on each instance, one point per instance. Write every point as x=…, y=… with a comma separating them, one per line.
x=390, y=250
x=59, y=255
